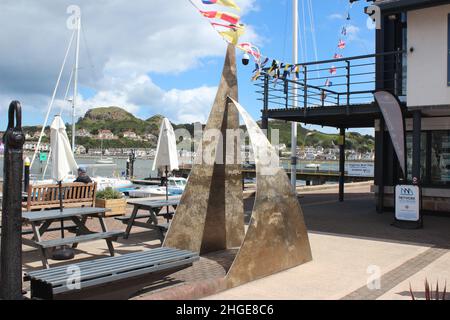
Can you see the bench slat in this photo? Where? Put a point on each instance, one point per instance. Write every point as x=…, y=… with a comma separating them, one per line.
x=79, y=239
x=57, y=214
x=107, y=262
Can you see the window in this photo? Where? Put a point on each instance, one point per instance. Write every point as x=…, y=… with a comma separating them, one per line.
x=435, y=158
x=440, y=158
x=423, y=156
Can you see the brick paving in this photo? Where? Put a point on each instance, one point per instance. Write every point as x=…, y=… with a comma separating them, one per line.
x=391, y=279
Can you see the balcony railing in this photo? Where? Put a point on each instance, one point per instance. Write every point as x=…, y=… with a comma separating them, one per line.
x=339, y=82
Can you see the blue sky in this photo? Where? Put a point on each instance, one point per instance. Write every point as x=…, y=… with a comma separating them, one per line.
x=172, y=79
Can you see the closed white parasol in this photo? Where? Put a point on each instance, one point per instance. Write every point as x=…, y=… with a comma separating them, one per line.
x=166, y=154
x=63, y=160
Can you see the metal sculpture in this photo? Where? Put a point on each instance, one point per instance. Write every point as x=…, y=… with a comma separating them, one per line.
x=276, y=239
x=11, y=240
x=210, y=215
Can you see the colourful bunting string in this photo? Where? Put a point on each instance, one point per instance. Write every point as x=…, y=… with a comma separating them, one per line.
x=233, y=31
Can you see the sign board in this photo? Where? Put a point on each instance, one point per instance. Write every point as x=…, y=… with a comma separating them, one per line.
x=43, y=156
x=366, y=170
x=407, y=203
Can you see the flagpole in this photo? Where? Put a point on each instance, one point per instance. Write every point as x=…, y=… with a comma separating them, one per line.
x=294, y=129
x=75, y=83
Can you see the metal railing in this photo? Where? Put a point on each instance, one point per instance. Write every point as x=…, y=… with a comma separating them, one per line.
x=338, y=82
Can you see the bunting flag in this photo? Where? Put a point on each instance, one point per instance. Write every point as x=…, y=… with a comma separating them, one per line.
x=225, y=3
x=233, y=35
x=341, y=44
x=333, y=70
x=250, y=49
x=344, y=31
x=229, y=17
x=338, y=56
x=328, y=83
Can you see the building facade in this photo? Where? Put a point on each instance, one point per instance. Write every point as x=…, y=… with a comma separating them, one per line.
x=412, y=61
x=421, y=29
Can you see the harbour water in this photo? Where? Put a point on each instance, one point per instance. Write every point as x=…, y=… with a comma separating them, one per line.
x=143, y=168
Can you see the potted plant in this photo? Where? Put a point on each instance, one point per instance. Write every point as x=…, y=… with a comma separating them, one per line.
x=113, y=200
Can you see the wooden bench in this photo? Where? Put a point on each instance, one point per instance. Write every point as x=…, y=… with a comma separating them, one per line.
x=109, y=278
x=75, y=195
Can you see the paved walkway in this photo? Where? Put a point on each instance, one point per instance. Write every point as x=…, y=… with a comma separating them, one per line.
x=352, y=246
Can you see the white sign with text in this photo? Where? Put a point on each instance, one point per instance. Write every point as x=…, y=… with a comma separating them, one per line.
x=366, y=170
x=407, y=203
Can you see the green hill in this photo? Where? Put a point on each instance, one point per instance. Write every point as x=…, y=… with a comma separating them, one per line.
x=354, y=140
x=118, y=121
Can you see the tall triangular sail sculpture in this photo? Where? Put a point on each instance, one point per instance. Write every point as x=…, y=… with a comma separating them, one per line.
x=210, y=215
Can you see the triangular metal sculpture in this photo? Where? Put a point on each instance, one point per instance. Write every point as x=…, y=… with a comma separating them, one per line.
x=210, y=215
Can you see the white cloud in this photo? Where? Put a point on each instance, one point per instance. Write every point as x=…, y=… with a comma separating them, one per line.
x=336, y=16
x=122, y=43
x=353, y=32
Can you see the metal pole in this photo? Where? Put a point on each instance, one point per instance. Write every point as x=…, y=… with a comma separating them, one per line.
x=294, y=129
x=75, y=83
x=342, y=165
x=11, y=238
x=417, y=135
x=265, y=119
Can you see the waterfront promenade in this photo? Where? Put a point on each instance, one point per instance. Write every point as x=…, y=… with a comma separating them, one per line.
x=350, y=243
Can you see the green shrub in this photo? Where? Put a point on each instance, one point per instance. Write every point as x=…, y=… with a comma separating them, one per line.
x=109, y=194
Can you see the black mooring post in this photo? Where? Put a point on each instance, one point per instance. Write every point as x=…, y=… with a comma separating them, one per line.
x=342, y=165
x=26, y=178
x=128, y=169
x=11, y=239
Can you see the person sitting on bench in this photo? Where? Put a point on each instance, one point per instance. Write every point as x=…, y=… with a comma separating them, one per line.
x=82, y=176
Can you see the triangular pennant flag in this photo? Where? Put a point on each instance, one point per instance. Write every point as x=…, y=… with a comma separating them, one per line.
x=232, y=36
x=341, y=44
x=229, y=17
x=226, y=3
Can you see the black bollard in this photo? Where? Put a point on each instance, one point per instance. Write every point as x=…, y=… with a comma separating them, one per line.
x=128, y=169
x=11, y=243
x=132, y=160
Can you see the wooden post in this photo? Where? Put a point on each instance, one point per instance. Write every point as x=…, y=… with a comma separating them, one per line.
x=11, y=239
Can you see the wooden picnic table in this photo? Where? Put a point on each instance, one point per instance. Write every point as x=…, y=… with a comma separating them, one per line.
x=42, y=220
x=154, y=209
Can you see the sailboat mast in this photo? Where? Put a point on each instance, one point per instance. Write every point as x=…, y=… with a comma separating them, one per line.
x=75, y=83
x=294, y=128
